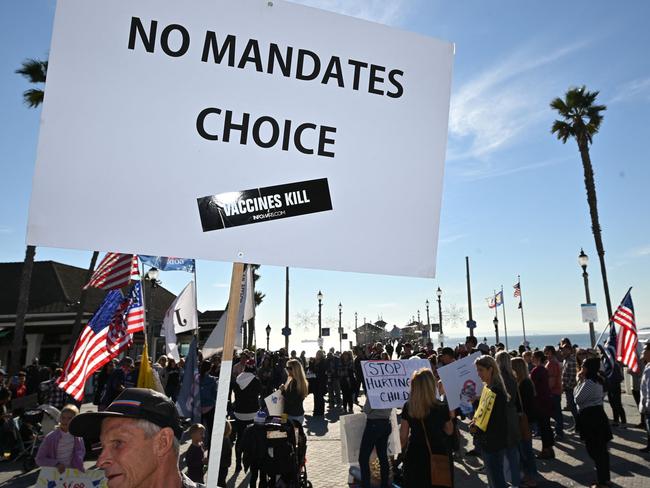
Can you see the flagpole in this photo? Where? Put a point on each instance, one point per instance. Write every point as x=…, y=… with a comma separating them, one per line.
x=196, y=307
x=144, y=303
x=496, y=316
x=505, y=325
x=521, y=307
x=223, y=388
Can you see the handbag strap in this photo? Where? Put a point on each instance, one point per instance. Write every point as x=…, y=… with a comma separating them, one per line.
x=426, y=436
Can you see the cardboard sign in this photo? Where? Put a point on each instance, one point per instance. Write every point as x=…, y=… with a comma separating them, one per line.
x=275, y=403
x=71, y=478
x=388, y=383
x=461, y=382
x=336, y=135
x=484, y=410
x=352, y=427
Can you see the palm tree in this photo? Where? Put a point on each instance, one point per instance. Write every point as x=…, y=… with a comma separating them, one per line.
x=35, y=71
x=581, y=119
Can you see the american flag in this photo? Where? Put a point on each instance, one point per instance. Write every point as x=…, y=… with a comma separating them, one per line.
x=105, y=336
x=627, y=337
x=115, y=271
x=517, y=288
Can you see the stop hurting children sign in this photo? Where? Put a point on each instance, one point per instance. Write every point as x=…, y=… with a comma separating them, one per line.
x=242, y=120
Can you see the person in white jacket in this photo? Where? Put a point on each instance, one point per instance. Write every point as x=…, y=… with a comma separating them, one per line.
x=644, y=401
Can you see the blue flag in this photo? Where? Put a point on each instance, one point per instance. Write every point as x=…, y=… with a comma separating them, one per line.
x=168, y=264
x=608, y=354
x=188, y=403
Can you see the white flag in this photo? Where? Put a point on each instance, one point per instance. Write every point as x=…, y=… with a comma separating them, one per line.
x=180, y=317
x=214, y=343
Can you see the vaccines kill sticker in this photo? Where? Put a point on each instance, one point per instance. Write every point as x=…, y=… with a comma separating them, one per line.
x=245, y=207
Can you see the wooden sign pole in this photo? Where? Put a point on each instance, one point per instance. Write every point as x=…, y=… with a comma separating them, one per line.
x=223, y=390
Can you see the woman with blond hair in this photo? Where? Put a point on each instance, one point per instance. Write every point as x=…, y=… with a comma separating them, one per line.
x=295, y=390
x=513, y=410
x=493, y=441
x=424, y=431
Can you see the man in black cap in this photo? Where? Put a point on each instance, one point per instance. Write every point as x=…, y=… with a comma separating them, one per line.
x=139, y=432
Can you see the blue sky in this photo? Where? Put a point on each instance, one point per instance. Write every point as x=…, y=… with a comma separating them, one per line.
x=513, y=199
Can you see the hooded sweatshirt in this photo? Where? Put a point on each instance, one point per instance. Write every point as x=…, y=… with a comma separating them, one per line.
x=247, y=391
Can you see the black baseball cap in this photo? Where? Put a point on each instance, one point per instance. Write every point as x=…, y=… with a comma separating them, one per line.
x=134, y=403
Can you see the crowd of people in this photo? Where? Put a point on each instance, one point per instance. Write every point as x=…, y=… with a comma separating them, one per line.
x=527, y=385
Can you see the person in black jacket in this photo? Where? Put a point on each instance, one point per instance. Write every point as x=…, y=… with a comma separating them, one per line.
x=319, y=381
x=513, y=410
x=294, y=391
x=492, y=442
x=247, y=389
x=527, y=396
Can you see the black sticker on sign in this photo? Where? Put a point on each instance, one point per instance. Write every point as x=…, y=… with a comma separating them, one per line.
x=263, y=204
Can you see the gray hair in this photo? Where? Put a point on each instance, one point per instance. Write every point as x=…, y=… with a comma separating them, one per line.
x=150, y=429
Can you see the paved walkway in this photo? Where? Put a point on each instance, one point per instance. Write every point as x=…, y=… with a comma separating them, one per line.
x=325, y=469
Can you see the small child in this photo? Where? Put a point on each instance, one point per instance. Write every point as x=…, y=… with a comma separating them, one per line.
x=60, y=449
x=195, y=455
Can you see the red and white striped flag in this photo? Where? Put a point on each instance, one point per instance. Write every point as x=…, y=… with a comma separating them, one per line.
x=115, y=271
x=627, y=336
x=107, y=334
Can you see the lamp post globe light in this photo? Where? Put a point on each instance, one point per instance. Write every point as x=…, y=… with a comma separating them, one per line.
x=583, y=261
x=439, y=295
x=268, y=334
x=340, y=328
x=496, y=327
x=320, y=323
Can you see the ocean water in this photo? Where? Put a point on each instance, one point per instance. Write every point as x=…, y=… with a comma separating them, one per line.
x=535, y=340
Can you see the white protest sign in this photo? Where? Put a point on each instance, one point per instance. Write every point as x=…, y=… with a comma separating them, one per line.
x=71, y=478
x=270, y=131
x=275, y=403
x=352, y=427
x=461, y=382
x=388, y=383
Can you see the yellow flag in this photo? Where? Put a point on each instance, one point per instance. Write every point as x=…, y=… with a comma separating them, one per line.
x=146, y=377
x=484, y=410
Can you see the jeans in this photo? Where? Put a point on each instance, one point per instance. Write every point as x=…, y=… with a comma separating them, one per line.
x=375, y=435
x=512, y=456
x=557, y=415
x=571, y=403
x=334, y=391
x=494, y=468
x=545, y=432
x=598, y=452
x=614, y=397
x=527, y=458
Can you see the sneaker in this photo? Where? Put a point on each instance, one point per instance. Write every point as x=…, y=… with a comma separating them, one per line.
x=472, y=452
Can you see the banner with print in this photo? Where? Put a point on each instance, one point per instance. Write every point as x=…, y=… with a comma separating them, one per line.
x=388, y=383
x=461, y=382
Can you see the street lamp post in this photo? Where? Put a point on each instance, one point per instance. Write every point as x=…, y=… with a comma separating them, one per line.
x=496, y=327
x=268, y=334
x=428, y=320
x=439, y=295
x=340, y=328
x=320, y=324
x=152, y=277
x=583, y=260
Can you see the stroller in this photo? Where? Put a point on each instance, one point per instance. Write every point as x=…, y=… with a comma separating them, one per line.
x=31, y=427
x=278, y=451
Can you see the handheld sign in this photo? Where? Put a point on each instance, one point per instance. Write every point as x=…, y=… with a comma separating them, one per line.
x=71, y=478
x=253, y=119
x=461, y=382
x=484, y=410
x=388, y=383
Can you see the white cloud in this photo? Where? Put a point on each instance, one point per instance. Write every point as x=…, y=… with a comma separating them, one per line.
x=450, y=239
x=492, y=110
x=633, y=90
x=641, y=252
x=6, y=230
x=221, y=285
x=382, y=11
x=484, y=170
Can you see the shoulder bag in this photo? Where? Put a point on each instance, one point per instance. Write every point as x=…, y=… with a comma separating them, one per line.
x=438, y=464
